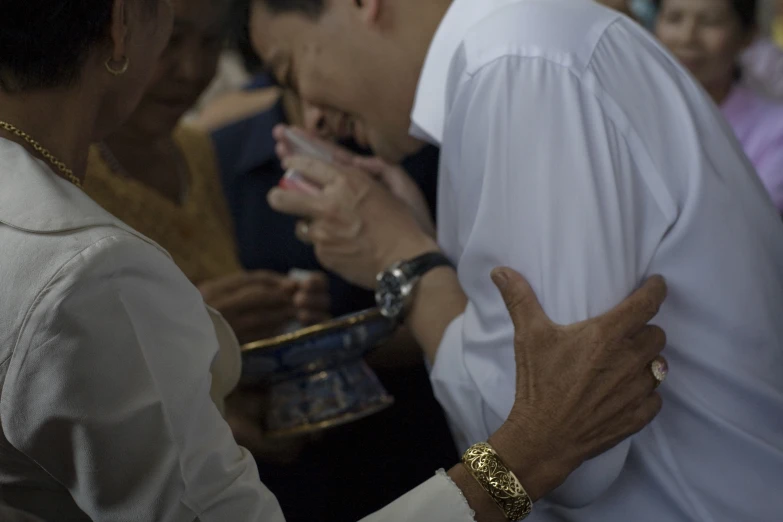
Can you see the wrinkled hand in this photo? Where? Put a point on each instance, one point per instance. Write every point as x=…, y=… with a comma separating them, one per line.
x=581, y=389
x=393, y=177
x=358, y=228
x=312, y=300
x=256, y=304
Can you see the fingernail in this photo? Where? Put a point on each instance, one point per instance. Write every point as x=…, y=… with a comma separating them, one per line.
x=499, y=277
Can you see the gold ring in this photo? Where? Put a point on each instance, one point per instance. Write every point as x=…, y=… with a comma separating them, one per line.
x=659, y=369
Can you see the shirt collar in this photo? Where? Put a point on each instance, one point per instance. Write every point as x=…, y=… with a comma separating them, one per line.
x=429, y=108
x=34, y=199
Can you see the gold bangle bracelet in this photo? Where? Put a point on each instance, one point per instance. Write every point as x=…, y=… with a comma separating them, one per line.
x=485, y=466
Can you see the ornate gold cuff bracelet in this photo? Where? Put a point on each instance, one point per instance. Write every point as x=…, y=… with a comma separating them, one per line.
x=500, y=482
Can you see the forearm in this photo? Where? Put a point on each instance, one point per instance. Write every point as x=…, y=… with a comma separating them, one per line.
x=439, y=300
x=438, y=297
x=438, y=500
x=401, y=351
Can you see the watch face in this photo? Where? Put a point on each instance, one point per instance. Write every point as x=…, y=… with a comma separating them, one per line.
x=388, y=295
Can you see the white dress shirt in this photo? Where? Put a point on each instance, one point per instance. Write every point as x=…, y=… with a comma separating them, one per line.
x=105, y=357
x=575, y=150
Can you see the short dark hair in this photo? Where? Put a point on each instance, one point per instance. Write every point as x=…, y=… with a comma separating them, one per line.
x=746, y=11
x=44, y=43
x=311, y=8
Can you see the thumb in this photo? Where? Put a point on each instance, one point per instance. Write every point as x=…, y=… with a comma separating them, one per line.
x=520, y=299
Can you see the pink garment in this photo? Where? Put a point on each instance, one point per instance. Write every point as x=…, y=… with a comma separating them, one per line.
x=762, y=67
x=758, y=123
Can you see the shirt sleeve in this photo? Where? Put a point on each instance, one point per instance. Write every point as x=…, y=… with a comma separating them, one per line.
x=537, y=177
x=437, y=500
x=108, y=392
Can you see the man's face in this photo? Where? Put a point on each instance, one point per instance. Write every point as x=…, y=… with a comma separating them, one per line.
x=341, y=63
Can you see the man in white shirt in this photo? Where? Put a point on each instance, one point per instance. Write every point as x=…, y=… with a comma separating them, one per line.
x=577, y=151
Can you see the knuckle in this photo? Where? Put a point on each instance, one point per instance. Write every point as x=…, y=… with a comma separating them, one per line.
x=654, y=300
x=659, y=336
x=599, y=334
x=651, y=341
x=307, y=163
x=331, y=209
x=318, y=235
x=649, y=410
x=342, y=181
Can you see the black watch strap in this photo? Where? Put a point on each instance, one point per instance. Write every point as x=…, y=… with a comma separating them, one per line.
x=418, y=266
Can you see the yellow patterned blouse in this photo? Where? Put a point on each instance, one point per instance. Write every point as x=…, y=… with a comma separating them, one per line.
x=197, y=233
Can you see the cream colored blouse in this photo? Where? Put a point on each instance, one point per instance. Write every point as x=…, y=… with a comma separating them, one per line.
x=105, y=357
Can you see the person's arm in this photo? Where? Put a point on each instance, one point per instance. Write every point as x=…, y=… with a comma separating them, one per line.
x=543, y=181
x=108, y=391
x=562, y=414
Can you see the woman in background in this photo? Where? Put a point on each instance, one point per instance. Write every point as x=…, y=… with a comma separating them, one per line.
x=162, y=179
x=708, y=37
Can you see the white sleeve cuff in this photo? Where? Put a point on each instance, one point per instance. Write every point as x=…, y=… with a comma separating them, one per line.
x=437, y=500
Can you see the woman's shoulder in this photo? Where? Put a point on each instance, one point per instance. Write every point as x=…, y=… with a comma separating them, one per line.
x=96, y=252
x=41, y=270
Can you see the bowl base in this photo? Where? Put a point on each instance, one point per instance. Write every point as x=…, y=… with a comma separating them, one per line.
x=325, y=399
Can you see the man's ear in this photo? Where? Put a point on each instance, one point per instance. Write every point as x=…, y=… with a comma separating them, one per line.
x=371, y=10
x=119, y=31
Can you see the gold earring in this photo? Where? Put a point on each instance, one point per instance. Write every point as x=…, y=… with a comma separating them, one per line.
x=117, y=72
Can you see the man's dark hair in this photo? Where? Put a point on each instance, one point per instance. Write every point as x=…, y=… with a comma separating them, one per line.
x=311, y=8
x=239, y=35
x=44, y=43
x=746, y=11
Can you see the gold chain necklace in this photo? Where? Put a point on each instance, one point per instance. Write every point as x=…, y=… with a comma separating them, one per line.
x=62, y=167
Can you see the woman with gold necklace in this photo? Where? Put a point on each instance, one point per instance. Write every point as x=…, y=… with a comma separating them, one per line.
x=106, y=347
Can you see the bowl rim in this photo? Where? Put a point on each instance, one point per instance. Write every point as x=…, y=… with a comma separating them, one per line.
x=312, y=331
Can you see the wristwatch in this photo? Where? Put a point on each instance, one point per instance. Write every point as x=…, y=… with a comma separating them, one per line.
x=396, y=285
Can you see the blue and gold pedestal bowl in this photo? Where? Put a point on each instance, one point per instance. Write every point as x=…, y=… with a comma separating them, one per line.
x=316, y=378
